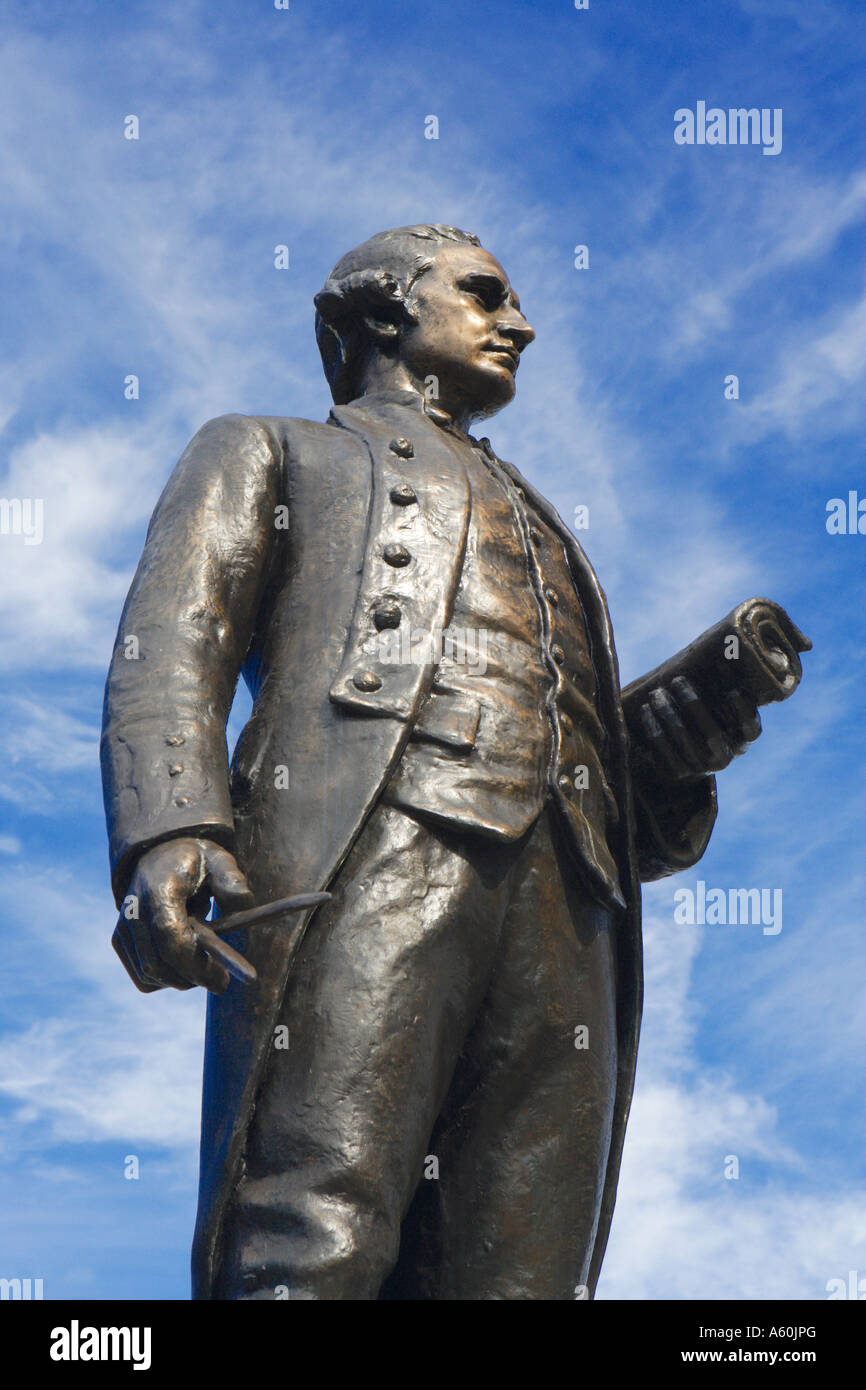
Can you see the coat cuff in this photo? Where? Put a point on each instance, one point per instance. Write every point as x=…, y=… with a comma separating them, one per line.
x=673, y=826
x=163, y=780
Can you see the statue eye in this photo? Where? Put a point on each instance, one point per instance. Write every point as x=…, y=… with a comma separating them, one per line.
x=488, y=293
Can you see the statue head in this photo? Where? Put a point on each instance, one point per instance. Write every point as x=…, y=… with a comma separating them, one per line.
x=422, y=308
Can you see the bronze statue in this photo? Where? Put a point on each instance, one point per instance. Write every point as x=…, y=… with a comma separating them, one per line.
x=417, y=1087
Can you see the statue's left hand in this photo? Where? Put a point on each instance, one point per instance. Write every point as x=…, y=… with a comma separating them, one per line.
x=683, y=738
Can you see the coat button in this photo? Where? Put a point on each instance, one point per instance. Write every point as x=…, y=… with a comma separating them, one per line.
x=551, y=595
x=558, y=655
x=403, y=495
x=565, y=785
x=396, y=555
x=535, y=535
x=366, y=680
x=566, y=722
x=403, y=447
x=387, y=614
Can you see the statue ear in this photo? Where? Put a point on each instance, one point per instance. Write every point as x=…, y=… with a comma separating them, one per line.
x=372, y=296
x=365, y=303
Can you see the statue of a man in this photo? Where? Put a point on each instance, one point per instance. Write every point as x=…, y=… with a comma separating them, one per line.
x=423, y=1093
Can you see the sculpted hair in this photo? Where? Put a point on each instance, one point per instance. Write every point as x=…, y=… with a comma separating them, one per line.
x=372, y=282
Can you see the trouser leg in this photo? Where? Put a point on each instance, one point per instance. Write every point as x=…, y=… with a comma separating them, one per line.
x=522, y=1141
x=385, y=987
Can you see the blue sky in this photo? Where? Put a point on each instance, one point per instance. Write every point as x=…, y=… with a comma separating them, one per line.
x=155, y=257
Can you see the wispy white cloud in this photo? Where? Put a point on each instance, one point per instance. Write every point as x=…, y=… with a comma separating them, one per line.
x=61, y=599
x=104, y=1063
x=817, y=386
x=682, y=1229
x=45, y=745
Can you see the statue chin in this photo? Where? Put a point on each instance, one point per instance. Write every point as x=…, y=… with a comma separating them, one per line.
x=489, y=401
x=491, y=407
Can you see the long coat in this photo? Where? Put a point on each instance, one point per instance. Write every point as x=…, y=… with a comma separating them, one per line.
x=264, y=555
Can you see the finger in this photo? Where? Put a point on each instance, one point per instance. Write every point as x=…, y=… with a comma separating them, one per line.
x=136, y=938
x=227, y=884
x=129, y=959
x=174, y=943
x=149, y=971
x=705, y=729
x=747, y=717
x=657, y=745
x=197, y=911
x=677, y=735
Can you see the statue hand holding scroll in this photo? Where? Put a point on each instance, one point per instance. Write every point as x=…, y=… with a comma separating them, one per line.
x=697, y=711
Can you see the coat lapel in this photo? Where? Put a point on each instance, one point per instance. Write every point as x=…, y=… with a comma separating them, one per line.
x=419, y=515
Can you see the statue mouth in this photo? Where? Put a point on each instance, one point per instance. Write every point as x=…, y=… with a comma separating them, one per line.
x=510, y=354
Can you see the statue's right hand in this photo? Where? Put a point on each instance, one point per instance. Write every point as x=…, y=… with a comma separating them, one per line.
x=172, y=884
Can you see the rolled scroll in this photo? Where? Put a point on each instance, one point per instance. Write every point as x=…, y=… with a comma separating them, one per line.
x=754, y=650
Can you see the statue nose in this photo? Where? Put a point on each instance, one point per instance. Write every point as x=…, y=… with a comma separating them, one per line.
x=520, y=334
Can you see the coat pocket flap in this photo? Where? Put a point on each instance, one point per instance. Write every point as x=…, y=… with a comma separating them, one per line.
x=451, y=719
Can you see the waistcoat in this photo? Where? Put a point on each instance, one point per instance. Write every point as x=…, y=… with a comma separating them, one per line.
x=513, y=707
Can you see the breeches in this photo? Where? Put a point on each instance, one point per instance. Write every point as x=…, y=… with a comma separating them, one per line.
x=435, y=1112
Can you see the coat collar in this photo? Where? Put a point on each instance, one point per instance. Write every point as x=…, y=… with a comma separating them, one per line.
x=413, y=400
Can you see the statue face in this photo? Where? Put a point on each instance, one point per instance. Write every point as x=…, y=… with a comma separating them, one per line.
x=469, y=335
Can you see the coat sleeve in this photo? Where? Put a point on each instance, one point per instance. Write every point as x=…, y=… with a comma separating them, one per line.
x=183, y=636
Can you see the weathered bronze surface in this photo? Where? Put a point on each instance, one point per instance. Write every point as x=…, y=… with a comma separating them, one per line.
x=418, y=1089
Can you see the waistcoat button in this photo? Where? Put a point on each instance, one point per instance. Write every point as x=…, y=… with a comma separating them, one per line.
x=396, y=555
x=387, y=614
x=403, y=495
x=403, y=447
x=366, y=680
